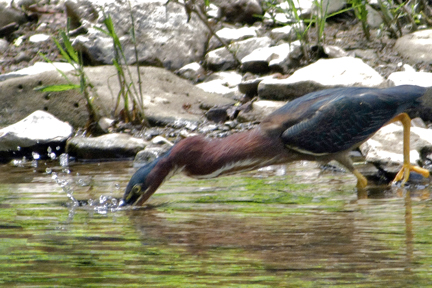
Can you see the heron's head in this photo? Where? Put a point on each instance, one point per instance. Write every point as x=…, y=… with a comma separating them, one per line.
x=138, y=186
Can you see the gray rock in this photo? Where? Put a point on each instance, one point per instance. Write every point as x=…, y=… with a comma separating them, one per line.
x=10, y=14
x=149, y=154
x=105, y=123
x=165, y=95
x=366, y=54
x=325, y=73
x=306, y=7
x=230, y=35
x=221, y=59
x=334, y=51
x=38, y=68
x=34, y=133
x=275, y=58
x=416, y=47
x=163, y=32
x=250, y=86
x=105, y=147
x=222, y=83
x=3, y=46
x=240, y=11
x=386, y=146
x=287, y=32
x=260, y=110
x=192, y=71
x=374, y=19
x=22, y=56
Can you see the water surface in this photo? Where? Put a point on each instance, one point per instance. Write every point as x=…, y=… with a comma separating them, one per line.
x=303, y=228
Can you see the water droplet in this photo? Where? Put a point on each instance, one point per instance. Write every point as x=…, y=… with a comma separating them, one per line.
x=114, y=201
x=34, y=164
x=52, y=155
x=35, y=155
x=102, y=199
x=64, y=160
x=82, y=182
x=49, y=150
x=48, y=170
x=117, y=186
x=18, y=148
x=58, y=148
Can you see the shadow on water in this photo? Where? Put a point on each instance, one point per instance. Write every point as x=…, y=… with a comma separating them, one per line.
x=290, y=226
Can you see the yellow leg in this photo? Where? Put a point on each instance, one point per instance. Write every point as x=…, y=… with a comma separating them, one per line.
x=407, y=167
x=345, y=160
x=361, y=180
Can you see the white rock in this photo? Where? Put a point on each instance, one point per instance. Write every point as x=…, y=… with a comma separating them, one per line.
x=38, y=128
x=37, y=68
x=192, y=71
x=287, y=32
x=325, y=73
x=344, y=71
x=423, y=79
x=212, y=11
x=231, y=34
x=221, y=59
x=161, y=140
x=221, y=82
x=274, y=56
x=37, y=38
x=386, y=146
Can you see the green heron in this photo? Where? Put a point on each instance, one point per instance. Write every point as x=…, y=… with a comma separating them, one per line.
x=320, y=126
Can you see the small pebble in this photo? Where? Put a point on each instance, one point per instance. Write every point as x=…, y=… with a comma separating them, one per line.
x=37, y=38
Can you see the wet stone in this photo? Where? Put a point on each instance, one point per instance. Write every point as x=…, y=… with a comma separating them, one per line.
x=34, y=134
x=105, y=147
x=207, y=128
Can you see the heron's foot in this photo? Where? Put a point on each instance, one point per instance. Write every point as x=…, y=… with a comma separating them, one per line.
x=405, y=172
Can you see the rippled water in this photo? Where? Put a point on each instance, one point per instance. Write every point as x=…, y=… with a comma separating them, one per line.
x=303, y=229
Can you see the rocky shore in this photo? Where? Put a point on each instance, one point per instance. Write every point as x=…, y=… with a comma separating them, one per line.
x=192, y=84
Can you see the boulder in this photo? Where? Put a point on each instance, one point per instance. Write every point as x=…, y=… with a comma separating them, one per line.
x=222, y=59
x=323, y=74
x=192, y=71
x=224, y=82
x=230, y=35
x=34, y=134
x=38, y=68
x=10, y=14
x=164, y=34
x=275, y=58
x=385, y=148
x=240, y=11
x=108, y=146
x=167, y=98
x=416, y=47
x=423, y=79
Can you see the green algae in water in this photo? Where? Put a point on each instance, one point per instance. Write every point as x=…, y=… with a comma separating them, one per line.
x=250, y=230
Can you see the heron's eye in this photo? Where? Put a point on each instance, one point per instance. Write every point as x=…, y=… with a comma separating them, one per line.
x=136, y=190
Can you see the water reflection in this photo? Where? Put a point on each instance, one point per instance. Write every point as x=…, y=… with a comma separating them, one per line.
x=305, y=229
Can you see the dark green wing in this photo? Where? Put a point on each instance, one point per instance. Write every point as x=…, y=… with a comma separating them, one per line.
x=335, y=120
